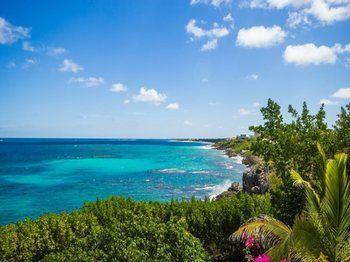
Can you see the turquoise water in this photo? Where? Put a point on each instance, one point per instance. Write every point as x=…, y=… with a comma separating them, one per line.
x=52, y=175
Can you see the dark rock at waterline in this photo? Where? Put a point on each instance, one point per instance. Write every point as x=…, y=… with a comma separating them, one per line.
x=233, y=189
x=255, y=180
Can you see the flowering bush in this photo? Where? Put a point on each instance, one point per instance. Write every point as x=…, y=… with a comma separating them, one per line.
x=254, y=252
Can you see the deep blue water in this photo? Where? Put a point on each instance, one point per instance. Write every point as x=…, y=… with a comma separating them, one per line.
x=53, y=175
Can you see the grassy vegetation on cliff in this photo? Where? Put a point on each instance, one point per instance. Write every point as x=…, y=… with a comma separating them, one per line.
x=235, y=146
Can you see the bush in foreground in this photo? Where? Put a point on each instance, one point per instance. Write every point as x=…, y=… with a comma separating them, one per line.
x=120, y=229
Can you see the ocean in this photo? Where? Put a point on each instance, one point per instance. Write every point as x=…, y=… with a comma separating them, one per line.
x=53, y=175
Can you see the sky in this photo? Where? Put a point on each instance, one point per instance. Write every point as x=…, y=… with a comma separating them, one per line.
x=167, y=68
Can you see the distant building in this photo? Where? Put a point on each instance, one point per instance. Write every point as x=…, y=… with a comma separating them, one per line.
x=242, y=137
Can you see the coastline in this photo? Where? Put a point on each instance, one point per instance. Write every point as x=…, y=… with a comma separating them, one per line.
x=224, y=187
x=254, y=176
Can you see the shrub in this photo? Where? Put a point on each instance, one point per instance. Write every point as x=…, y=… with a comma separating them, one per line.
x=125, y=230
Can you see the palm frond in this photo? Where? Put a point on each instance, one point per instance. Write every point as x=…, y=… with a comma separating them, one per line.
x=312, y=197
x=336, y=202
x=270, y=231
x=307, y=238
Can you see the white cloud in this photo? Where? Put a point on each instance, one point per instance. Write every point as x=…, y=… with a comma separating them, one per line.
x=256, y=104
x=215, y=32
x=328, y=102
x=310, y=54
x=229, y=19
x=56, y=51
x=173, y=106
x=29, y=62
x=126, y=101
x=26, y=46
x=297, y=18
x=243, y=112
x=322, y=11
x=252, y=77
x=118, y=87
x=11, y=64
x=328, y=12
x=88, y=81
x=10, y=34
x=215, y=3
x=188, y=123
x=342, y=93
x=260, y=36
x=150, y=96
x=70, y=66
x=210, y=45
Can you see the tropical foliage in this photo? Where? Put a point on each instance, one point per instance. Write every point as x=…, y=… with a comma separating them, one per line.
x=121, y=229
x=286, y=145
x=321, y=232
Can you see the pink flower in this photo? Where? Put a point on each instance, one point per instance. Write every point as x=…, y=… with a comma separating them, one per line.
x=249, y=242
x=262, y=258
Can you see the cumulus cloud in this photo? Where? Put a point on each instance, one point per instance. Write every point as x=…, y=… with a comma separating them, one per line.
x=342, y=93
x=118, y=87
x=56, y=51
x=229, y=19
x=10, y=34
x=260, y=36
x=328, y=12
x=149, y=96
x=215, y=3
x=28, y=62
x=310, y=54
x=243, y=112
x=328, y=102
x=196, y=31
x=322, y=11
x=27, y=46
x=210, y=45
x=11, y=64
x=70, y=66
x=252, y=77
x=188, y=123
x=212, y=34
x=88, y=81
x=126, y=101
x=173, y=106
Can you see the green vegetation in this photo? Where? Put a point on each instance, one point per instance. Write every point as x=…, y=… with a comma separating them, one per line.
x=121, y=229
x=321, y=233
x=292, y=145
x=235, y=146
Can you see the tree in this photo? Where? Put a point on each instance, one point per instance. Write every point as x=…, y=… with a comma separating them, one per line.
x=284, y=146
x=321, y=232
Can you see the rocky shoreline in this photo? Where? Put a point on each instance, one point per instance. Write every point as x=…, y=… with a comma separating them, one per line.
x=254, y=179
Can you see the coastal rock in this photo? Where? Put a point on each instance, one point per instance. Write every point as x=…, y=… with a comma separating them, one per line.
x=233, y=189
x=255, y=181
x=252, y=161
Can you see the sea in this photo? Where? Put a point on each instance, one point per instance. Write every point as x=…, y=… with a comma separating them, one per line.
x=38, y=176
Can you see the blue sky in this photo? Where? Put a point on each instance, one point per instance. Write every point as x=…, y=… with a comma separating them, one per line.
x=164, y=69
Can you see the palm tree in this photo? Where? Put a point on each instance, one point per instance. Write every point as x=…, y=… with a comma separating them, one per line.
x=321, y=232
